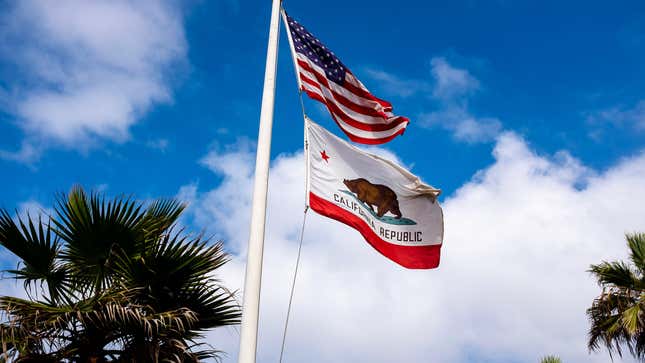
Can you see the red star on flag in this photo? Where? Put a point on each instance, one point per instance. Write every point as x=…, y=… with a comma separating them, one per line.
x=324, y=155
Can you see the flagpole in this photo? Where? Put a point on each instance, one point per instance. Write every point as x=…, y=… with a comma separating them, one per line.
x=251, y=305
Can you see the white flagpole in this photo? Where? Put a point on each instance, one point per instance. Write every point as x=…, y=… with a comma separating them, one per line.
x=251, y=306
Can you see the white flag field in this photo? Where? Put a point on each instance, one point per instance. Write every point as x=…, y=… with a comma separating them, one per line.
x=396, y=213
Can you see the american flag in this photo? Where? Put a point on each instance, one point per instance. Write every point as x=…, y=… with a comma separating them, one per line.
x=363, y=117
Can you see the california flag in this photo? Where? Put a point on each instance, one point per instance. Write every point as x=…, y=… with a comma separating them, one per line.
x=394, y=211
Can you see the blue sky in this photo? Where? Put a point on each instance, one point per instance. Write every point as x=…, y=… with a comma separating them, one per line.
x=544, y=70
x=162, y=99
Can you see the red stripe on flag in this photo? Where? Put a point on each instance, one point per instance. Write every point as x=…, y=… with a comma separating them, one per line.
x=413, y=257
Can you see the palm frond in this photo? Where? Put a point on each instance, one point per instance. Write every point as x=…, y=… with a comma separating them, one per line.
x=636, y=244
x=38, y=248
x=160, y=216
x=214, y=306
x=92, y=226
x=617, y=315
x=551, y=359
x=617, y=273
x=631, y=318
x=173, y=264
x=123, y=283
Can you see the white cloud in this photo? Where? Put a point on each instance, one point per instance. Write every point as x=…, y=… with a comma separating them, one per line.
x=397, y=85
x=622, y=117
x=463, y=125
x=160, y=145
x=452, y=88
x=27, y=152
x=512, y=284
x=87, y=70
x=451, y=82
x=448, y=82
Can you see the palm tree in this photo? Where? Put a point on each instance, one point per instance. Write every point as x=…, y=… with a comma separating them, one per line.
x=111, y=280
x=551, y=359
x=617, y=315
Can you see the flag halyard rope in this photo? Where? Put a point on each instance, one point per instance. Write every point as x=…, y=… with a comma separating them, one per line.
x=293, y=283
x=304, y=217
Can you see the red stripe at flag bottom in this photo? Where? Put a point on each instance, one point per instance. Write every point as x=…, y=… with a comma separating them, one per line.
x=412, y=257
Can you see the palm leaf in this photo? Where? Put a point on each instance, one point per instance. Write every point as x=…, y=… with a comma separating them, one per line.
x=616, y=316
x=38, y=248
x=124, y=283
x=160, y=216
x=617, y=273
x=172, y=264
x=636, y=243
x=551, y=359
x=91, y=227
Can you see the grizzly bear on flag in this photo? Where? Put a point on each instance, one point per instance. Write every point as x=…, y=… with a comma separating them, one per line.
x=379, y=195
